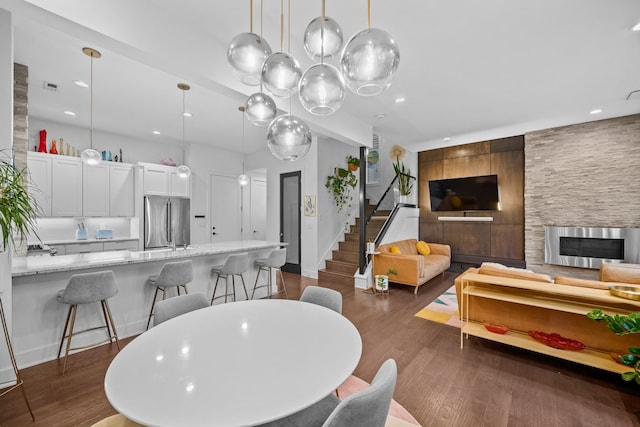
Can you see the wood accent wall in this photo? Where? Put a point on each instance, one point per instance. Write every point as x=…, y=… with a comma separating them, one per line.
x=20, y=114
x=474, y=242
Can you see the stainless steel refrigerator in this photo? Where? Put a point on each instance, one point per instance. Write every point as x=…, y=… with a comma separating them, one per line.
x=166, y=220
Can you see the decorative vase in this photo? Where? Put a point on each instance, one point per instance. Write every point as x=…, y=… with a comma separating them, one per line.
x=42, y=148
x=53, y=149
x=403, y=198
x=381, y=282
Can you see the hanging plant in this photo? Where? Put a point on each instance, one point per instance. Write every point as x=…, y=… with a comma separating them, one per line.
x=353, y=163
x=340, y=185
x=18, y=210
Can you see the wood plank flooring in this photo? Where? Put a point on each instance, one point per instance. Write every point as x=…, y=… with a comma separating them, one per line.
x=486, y=384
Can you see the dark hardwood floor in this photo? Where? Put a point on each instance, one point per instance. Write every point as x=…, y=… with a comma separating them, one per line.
x=486, y=384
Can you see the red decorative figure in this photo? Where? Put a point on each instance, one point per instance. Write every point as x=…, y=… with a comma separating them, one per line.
x=53, y=150
x=42, y=148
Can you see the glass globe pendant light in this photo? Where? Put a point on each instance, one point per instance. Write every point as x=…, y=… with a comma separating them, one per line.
x=247, y=52
x=260, y=108
x=288, y=137
x=243, y=178
x=370, y=60
x=322, y=87
x=90, y=156
x=183, y=170
x=281, y=71
x=322, y=38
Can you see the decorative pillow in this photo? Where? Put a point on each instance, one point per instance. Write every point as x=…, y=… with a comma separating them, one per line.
x=395, y=250
x=514, y=273
x=423, y=248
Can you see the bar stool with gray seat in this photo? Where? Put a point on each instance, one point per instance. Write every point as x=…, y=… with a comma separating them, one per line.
x=276, y=259
x=84, y=289
x=182, y=304
x=234, y=266
x=325, y=297
x=173, y=274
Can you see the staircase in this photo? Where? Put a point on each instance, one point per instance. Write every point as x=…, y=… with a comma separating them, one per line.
x=344, y=263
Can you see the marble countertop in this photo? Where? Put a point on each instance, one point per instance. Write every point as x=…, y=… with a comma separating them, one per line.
x=90, y=240
x=32, y=265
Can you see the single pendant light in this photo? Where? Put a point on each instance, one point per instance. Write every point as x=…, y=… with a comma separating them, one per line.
x=281, y=71
x=370, y=60
x=322, y=38
x=183, y=170
x=260, y=108
x=322, y=88
x=243, y=178
x=90, y=156
x=246, y=53
x=288, y=137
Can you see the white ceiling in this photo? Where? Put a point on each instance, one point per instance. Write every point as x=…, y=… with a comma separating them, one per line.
x=470, y=70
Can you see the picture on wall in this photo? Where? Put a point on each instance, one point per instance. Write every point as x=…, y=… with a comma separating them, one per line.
x=309, y=205
x=373, y=162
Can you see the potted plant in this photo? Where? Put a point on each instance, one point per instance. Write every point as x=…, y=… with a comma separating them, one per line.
x=405, y=183
x=382, y=280
x=18, y=210
x=353, y=163
x=340, y=185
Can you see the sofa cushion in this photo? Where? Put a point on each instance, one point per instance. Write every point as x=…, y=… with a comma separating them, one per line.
x=620, y=272
x=494, y=269
x=423, y=248
x=585, y=283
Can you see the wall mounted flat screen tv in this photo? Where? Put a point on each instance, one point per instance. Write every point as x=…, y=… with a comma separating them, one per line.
x=474, y=193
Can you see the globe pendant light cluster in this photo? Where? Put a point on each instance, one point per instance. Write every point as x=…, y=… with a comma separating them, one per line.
x=90, y=156
x=183, y=170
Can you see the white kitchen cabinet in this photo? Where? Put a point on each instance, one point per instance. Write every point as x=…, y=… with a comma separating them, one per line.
x=95, y=190
x=125, y=245
x=84, y=248
x=121, y=190
x=66, y=186
x=161, y=180
x=39, y=166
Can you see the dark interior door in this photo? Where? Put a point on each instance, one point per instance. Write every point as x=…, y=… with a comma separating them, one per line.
x=290, y=220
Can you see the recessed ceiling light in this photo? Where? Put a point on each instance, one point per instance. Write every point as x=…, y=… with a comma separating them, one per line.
x=156, y=132
x=400, y=100
x=446, y=139
x=70, y=113
x=380, y=116
x=636, y=27
x=80, y=83
x=595, y=111
x=186, y=114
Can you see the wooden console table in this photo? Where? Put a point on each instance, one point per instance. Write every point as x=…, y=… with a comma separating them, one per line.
x=524, y=305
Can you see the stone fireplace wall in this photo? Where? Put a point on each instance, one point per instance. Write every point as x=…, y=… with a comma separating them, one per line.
x=584, y=175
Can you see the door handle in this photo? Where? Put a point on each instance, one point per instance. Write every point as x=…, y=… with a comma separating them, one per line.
x=214, y=233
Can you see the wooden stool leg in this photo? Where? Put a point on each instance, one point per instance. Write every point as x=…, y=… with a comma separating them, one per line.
x=256, y=282
x=19, y=381
x=66, y=353
x=64, y=332
x=153, y=304
x=105, y=306
x=106, y=320
x=246, y=294
x=284, y=288
x=215, y=288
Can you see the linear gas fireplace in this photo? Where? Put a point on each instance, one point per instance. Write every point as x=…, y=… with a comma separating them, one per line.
x=588, y=247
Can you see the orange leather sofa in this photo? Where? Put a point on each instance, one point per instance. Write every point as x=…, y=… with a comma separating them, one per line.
x=413, y=269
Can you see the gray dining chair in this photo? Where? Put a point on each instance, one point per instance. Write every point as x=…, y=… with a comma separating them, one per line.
x=84, y=289
x=276, y=259
x=323, y=296
x=234, y=266
x=175, y=306
x=172, y=275
x=366, y=408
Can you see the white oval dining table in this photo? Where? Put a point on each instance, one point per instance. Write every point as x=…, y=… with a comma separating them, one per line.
x=237, y=364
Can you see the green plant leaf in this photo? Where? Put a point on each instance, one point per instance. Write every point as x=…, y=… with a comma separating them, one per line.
x=634, y=350
x=628, y=376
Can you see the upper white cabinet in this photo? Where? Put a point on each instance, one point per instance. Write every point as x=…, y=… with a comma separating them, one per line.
x=95, y=190
x=39, y=166
x=65, y=187
x=121, y=190
x=161, y=180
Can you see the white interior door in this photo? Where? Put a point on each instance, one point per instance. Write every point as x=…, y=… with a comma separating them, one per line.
x=258, y=209
x=226, y=222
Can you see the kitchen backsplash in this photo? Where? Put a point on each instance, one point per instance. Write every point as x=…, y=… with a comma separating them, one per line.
x=60, y=229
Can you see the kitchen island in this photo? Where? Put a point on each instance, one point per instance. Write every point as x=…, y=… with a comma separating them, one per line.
x=38, y=318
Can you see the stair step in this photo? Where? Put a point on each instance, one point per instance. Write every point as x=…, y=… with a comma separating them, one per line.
x=355, y=237
x=340, y=267
x=331, y=278
x=349, y=246
x=345, y=256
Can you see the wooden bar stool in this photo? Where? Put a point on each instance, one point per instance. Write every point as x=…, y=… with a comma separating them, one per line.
x=234, y=266
x=83, y=289
x=173, y=274
x=276, y=259
x=19, y=382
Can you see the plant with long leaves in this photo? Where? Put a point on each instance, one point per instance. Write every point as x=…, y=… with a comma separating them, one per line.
x=340, y=185
x=18, y=209
x=623, y=325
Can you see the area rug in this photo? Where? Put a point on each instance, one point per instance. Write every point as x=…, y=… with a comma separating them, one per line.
x=443, y=309
x=398, y=416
